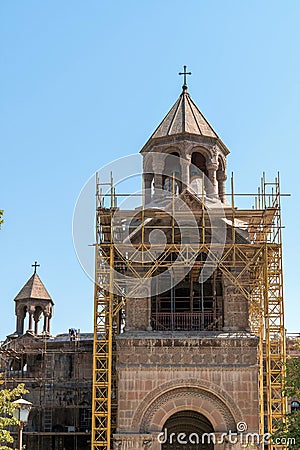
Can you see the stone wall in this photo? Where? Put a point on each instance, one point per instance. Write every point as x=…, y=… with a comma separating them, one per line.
x=215, y=374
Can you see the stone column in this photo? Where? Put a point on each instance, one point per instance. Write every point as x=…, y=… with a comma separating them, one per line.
x=138, y=311
x=20, y=325
x=158, y=167
x=185, y=170
x=212, y=176
x=222, y=177
x=20, y=313
x=30, y=324
x=148, y=177
x=46, y=328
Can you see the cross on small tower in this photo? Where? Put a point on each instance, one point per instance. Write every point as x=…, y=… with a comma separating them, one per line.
x=35, y=265
x=184, y=73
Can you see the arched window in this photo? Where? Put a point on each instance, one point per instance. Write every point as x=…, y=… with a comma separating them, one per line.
x=172, y=173
x=198, y=162
x=198, y=174
x=37, y=316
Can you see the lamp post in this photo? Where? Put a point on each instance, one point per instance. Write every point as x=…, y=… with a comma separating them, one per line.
x=21, y=413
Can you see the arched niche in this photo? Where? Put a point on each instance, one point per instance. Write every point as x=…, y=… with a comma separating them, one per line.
x=199, y=181
x=172, y=172
x=187, y=430
x=38, y=312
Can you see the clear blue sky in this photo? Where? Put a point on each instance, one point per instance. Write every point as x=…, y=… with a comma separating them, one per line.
x=86, y=82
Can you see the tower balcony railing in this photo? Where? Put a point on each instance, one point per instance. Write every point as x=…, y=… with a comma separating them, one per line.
x=186, y=321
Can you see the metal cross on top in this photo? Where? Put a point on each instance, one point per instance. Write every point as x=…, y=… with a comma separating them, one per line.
x=35, y=265
x=184, y=73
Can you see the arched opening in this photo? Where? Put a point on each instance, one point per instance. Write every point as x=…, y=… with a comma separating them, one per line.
x=198, y=173
x=198, y=161
x=188, y=430
x=21, y=314
x=37, y=316
x=191, y=305
x=172, y=173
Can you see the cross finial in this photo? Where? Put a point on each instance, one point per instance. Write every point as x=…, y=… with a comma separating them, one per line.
x=184, y=73
x=35, y=265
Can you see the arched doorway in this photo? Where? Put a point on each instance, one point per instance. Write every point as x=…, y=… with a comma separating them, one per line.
x=193, y=425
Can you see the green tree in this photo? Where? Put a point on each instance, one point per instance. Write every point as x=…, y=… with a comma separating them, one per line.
x=289, y=430
x=1, y=217
x=7, y=396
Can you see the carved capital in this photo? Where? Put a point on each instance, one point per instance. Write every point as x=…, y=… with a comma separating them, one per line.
x=221, y=176
x=212, y=166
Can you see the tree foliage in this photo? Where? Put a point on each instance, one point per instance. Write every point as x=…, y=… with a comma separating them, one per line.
x=7, y=396
x=1, y=217
x=289, y=430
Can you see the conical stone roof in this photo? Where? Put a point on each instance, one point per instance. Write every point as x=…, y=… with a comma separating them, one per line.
x=184, y=117
x=33, y=289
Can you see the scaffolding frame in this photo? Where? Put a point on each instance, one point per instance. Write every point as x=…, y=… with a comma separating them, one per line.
x=257, y=275
x=11, y=351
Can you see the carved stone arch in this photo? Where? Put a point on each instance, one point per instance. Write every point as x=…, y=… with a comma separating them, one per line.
x=204, y=150
x=173, y=149
x=38, y=312
x=21, y=309
x=182, y=399
x=221, y=163
x=178, y=395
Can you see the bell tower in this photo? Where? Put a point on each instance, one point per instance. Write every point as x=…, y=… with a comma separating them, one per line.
x=33, y=301
x=186, y=134
x=187, y=361
x=184, y=300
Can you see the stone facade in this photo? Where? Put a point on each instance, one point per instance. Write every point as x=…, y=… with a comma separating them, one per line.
x=159, y=375
x=184, y=364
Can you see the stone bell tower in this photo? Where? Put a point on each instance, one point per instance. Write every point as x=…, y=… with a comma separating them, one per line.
x=33, y=301
x=187, y=361
x=185, y=133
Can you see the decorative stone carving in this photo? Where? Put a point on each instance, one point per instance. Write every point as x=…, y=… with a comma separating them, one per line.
x=187, y=393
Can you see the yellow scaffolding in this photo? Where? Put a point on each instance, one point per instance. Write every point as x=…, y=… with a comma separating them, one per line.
x=254, y=268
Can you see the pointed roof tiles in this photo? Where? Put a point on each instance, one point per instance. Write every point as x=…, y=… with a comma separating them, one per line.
x=33, y=289
x=184, y=117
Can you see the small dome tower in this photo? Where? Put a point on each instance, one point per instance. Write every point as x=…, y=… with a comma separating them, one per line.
x=34, y=300
x=185, y=133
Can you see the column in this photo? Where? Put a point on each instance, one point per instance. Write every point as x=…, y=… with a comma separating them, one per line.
x=46, y=328
x=20, y=313
x=158, y=167
x=30, y=326
x=185, y=170
x=212, y=176
x=148, y=177
x=222, y=177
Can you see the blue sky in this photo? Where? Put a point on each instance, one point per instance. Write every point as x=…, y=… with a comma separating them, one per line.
x=84, y=83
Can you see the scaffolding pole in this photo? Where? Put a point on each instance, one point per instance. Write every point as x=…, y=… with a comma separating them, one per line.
x=254, y=268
